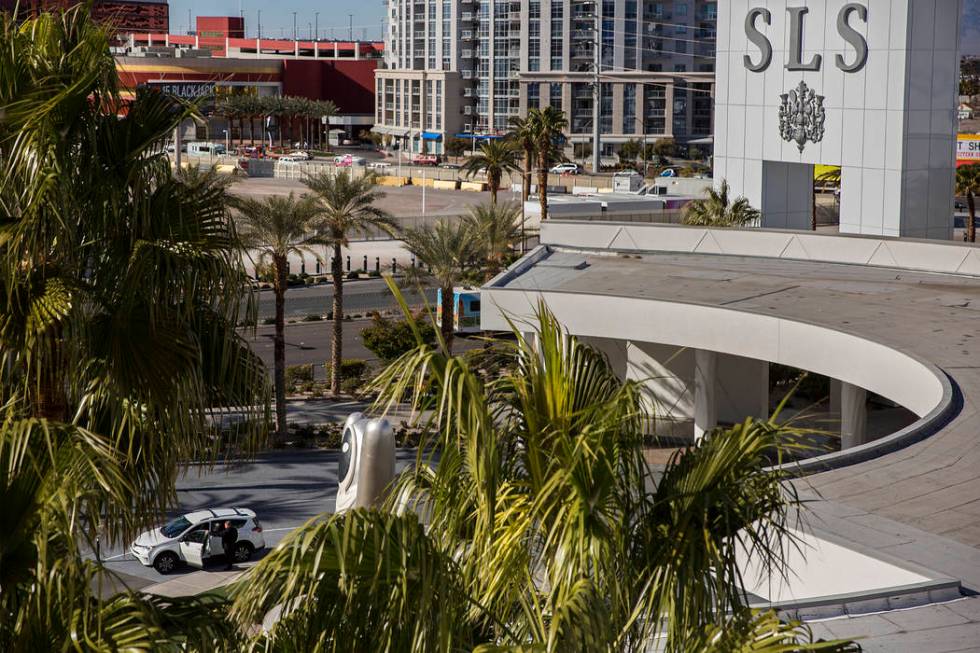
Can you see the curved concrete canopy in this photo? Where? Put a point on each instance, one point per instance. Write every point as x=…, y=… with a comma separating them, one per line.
x=895, y=316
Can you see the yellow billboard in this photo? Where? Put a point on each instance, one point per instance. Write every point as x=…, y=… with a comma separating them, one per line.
x=967, y=149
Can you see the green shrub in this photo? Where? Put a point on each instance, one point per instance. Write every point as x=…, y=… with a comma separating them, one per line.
x=388, y=339
x=350, y=386
x=312, y=317
x=350, y=368
x=268, y=320
x=352, y=274
x=299, y=374
x=374, y=274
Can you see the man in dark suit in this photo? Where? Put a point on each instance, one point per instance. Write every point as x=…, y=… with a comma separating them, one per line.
x=229, y=537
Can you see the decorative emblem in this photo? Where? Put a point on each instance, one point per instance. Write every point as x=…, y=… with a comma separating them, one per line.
x=801, y=116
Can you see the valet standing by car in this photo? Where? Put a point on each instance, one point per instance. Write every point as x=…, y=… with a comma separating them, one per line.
x=196, y=537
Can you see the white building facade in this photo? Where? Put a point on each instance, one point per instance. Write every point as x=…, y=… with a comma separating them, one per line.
x=869, y=86
x=469, y=66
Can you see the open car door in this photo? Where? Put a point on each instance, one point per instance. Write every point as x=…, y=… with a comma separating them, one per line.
x=192, y=547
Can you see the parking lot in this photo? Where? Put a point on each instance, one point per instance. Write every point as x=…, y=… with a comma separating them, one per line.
x=285, y=489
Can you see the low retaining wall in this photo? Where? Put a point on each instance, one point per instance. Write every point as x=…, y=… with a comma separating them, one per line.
x=472, y=186
x=386, y=180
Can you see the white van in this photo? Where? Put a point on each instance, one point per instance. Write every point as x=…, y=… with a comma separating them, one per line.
x=204, y=149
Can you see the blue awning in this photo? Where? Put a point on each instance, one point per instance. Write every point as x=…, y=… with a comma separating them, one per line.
x=431, y=136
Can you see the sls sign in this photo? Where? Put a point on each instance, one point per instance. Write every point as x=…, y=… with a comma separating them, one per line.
x=869, y=86
x=796, y=20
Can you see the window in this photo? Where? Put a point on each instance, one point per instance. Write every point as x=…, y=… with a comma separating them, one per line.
x=533, y=95
x=556, y=95
x=629, y=109
x=175, y=527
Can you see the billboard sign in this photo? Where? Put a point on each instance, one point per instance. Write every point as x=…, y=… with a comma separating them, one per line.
x=967, y=149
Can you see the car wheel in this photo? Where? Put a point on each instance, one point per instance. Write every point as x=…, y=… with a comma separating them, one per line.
x=165, y=563
x=243, y=552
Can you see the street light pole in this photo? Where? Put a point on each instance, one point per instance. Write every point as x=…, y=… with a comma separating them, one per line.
x=350, y=29
x=596, y=88
x=316, y=25
x=294, y=25
x=260, y=23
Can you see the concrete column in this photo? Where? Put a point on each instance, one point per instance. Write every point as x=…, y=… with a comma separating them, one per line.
x=336, y=50
x=149, y=40
x=316, y=49
x=835, y=391
x=357, y=49
x=854, y=416
x=705, y=410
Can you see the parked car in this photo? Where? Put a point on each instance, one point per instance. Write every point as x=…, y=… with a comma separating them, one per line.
x=301, y=155
x=425, y=160
x=451, y=166
x=379, y=166
x=565, y=169
x=959, y=205
x=289, y=160
x=193, y=538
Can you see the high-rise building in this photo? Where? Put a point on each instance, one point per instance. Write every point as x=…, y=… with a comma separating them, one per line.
x=468, y=66
x=122, y=15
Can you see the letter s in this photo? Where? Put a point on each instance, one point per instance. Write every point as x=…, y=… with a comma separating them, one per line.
x=758, y=38
x=852, y=36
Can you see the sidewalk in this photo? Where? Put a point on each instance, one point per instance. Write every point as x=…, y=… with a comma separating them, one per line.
x=196, y=582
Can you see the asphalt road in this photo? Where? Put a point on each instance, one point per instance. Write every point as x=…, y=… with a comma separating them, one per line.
x=359, y=297
x=403, y=201
x=310, y=342
x=285, y=489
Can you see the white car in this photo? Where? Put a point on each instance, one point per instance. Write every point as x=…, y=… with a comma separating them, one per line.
x=379, y=166
x=289, y=160
x=301, y=156
x=565, y=169
x=192, y=538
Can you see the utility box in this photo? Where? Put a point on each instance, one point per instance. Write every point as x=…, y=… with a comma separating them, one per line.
x=627, y=182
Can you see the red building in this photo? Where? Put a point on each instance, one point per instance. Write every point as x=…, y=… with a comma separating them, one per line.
x=123, y=15
x=223, y=26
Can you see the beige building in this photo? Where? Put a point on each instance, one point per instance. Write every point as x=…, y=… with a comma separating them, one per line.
x=468, y=66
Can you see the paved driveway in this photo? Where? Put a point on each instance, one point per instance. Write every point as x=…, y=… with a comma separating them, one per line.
x=285, y=489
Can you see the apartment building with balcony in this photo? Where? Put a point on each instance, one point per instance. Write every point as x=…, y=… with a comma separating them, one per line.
x=467, y=66
x=656, y=67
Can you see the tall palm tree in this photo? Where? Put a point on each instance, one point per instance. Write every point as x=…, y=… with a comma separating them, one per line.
x=120, y=290
x=271, y=229
x=718, y=210
x=968, y=184
x=495, y=158
x=544, y=530
x=523, y=136
x=450, y=251
x=548, y=125
x=497, y=228
x=346, y=206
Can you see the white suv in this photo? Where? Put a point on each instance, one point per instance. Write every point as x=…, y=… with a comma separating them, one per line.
x=194, y=537
x=565, y=169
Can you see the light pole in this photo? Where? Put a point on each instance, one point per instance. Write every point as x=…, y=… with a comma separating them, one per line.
x=350, y=29
x=228, y=141
x=294, y=25
x=260, y=23
x=596, y=88
x=316, y=25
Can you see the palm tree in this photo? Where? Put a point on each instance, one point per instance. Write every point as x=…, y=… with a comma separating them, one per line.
x=497, y=229
x=346, y=206
x=121, y=288
x=494, y=159
x=968, y=184
x=523, y=136
x=548, y=125
x=271, y=229
x=450, y=250
x=717, y=210
x=544, y=530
